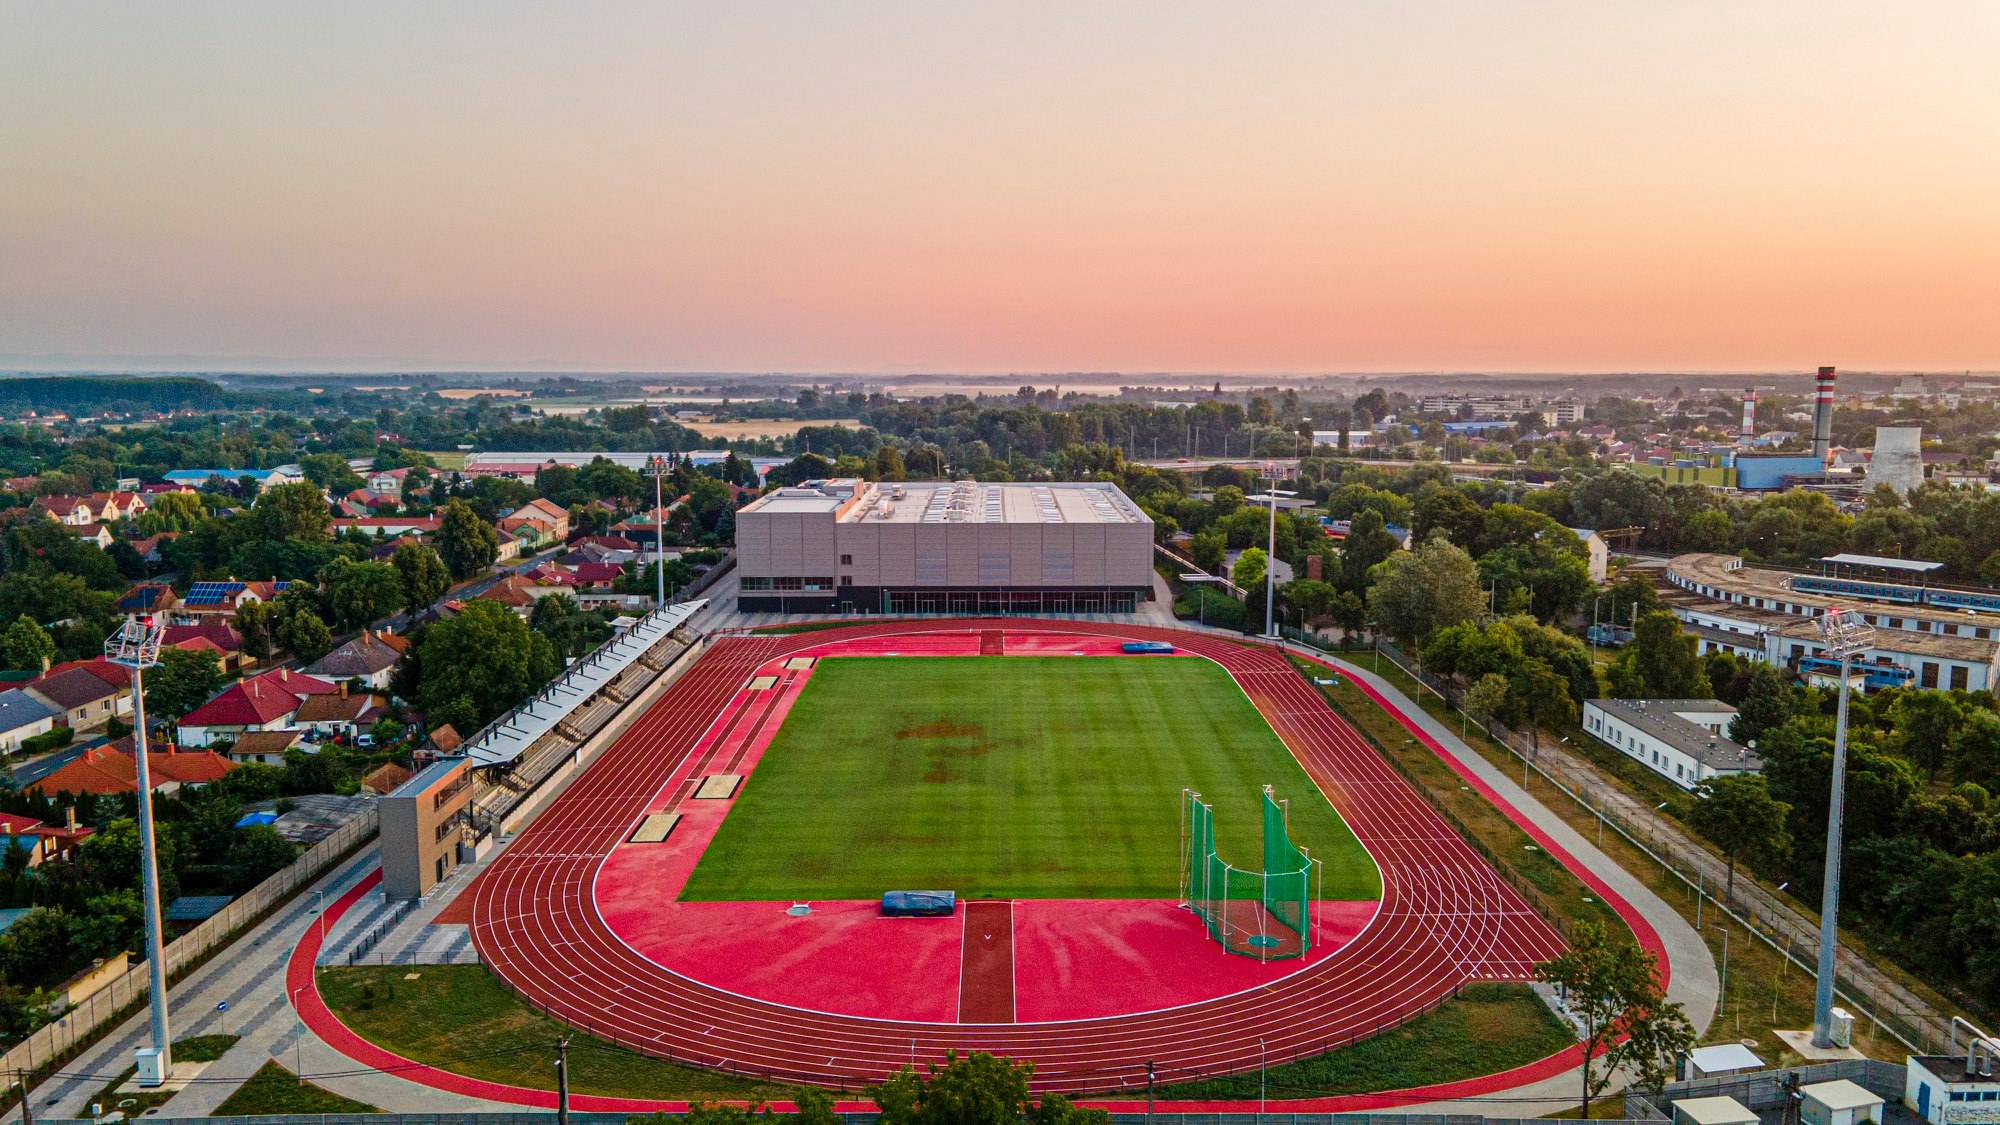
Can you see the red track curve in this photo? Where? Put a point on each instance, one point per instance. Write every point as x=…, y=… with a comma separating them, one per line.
x=1446, y=917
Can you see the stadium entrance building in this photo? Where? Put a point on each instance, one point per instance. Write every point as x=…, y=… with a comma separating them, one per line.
x=856, y=547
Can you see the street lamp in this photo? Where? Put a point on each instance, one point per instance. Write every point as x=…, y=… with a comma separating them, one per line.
x=1843, y=635
x=1725, y=967
x=136, y=645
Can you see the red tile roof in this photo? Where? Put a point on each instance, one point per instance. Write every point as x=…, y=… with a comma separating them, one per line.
x=112, y=769
x=257, y=701
x=116, y=675
x=217, y=633
x=74, y=687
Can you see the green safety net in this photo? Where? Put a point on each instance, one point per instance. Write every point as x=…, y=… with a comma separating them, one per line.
x=1264, y=914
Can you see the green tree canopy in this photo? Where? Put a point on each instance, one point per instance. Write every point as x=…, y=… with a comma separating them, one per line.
x=466, y=543
x=1418, y=592
x=479, y=663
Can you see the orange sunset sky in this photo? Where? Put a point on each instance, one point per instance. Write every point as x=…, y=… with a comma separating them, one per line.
x=1002, y=187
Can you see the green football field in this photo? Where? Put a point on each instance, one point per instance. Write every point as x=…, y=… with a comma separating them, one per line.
x=1011, y=777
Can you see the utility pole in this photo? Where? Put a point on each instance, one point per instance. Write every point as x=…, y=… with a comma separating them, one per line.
x=1149, y=1092
x=28, y=1103
x=136, y=645
x=562, y=1081
x=1846, y=636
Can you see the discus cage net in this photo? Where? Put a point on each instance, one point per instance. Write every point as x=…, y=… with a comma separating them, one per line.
x=1264, y=914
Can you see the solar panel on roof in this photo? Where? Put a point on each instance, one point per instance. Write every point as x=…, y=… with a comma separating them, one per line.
x=211, y=593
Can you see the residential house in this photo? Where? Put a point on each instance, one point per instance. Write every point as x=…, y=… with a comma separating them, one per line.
x=74, y=511
x=343, y=714
x=112, y=768
x=264, y=747
x=212, y=634
x=42, y=842
x=22, y=717
x=149, y=597
x=262, y=478
x=370, y=657
x=149, y=547
x=95, y=533
x=1596, y=551
x=81, y=694
x=222, y=599
x=517, y=593
x=555, y=515
x=388, y=526
x=386, y=779
x=387, y=482
x=267, y=702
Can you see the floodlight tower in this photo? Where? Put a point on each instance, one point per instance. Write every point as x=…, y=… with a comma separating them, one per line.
x=656, y=467
x=136, y=645
x=1843, y=635
x=1271, y=493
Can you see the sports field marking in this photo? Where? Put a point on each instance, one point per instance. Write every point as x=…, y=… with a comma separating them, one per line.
x=655, y=828
x=718, y=786
x=1011, y=777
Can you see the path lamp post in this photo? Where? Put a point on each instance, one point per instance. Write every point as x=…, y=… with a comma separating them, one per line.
x=1724, y=1006
x=136, y=645
x=1843, y=635
x=1201, y=602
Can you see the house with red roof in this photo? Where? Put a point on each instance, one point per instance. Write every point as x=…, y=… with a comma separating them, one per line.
x=84, y=693
x=41, y=841
x=267, y=702
x=112, y=768
x=388, y=525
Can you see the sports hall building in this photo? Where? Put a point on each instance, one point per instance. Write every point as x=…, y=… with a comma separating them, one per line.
x=959, y=547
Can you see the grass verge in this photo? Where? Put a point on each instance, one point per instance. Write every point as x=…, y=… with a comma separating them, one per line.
x=132, y=1103
x=1765, y=991
x=1485, y=1029
x=460, y=1018
x=274, y=1090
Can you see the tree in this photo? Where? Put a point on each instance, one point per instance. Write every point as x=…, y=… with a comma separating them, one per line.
x=110, y=924
x=1613, y=993
x=1739, y=814
x=423, y=573
x=312, y=773
x=253, y=624
x=361, y=592
x=1488, y=699
x=330, y=473
x=1208, y=550
x=1249, y=569
x=1925, y=722
x=556, y=617
x=976, y=1089
x=1545, y=699
x=290, y=512
x=1661, y=662
x=466, y=543
x=259, y=853
x=1417, y=592
x=111, y=856
x=479, y=663
x=26, y=645
x=183, y=681
x=305, y=635
x=37, y=950
x=1769, y=702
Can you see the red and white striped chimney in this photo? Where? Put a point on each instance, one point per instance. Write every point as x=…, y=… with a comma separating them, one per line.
x=1746, y=437
x=1822, y=442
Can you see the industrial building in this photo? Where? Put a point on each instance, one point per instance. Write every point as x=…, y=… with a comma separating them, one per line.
x=1683, y=740
x=854, y=546
x=1925, y=636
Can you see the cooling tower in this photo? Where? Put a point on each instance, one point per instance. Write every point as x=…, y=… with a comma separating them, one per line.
x=1899, y=458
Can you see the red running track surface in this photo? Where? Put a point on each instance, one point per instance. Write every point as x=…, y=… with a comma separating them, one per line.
x=1446, y=917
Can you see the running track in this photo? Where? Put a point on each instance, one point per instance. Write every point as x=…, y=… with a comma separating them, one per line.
x=1446, y=918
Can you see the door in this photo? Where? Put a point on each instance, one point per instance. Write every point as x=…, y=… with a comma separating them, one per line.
x=1924, y=1100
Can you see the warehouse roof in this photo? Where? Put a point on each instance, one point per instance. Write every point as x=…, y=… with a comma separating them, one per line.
x=1661, y=719
x=950, y=502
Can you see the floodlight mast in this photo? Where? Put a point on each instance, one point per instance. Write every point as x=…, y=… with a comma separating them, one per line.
x=1844, y=636
x=136, y=645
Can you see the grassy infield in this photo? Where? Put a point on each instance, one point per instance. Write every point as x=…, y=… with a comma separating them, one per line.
x=1010, y=797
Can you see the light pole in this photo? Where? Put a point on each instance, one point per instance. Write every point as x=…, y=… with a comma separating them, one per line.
x=656, y=467
x=136, y=645
x=1846, y=636
x=1270, y=562
x=1260, y=1076
x=299, y=1054
x=1201, y=599
x=1725, y=968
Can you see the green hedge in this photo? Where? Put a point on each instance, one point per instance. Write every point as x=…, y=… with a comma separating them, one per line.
x=54, y=739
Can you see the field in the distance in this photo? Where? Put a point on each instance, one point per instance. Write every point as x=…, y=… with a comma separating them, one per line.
x=1011, y=777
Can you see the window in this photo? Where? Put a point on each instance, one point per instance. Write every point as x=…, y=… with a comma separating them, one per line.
x=756, y=583
x=847, y=580
x=847, y=560
x=1930, y=674
x=1959, y=676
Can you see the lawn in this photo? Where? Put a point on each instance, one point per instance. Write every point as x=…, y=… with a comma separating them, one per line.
x=460, y=1018
x=1011, y=777
x=274, y=1090
x=1487, y=1028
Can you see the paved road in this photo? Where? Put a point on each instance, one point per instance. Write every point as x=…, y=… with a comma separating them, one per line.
x=47, y=764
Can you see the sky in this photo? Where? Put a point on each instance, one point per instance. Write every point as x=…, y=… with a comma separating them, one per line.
x=948, y=186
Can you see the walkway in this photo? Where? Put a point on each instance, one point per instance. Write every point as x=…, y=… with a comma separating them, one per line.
x=1694, y=983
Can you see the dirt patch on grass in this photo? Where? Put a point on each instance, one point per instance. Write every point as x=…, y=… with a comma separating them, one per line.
x=943, y=730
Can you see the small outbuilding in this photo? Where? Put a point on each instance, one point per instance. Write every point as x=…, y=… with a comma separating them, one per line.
x=1713, y=1111
x=1840, y=1102
x=1722, y=1058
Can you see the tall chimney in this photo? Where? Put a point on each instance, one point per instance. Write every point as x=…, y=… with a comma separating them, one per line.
x=1747, y=436
x=1822, y=442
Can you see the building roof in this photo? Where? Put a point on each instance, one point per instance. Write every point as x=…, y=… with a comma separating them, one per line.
x=365, y=655
x=14, y=824
x=1724, y=1056
x=333, y=708
x=1727, y=573
x=1842, y=1093
x=1952, y=1069
x=1658, y=719
x=146, y=596
x=196, y=908
x=1914, y=565
x=19, y=709
x=264, y=742
x=511, y=590
x=947, y=502
x=112, y=769
x=257, y=701
x=430, y=775
x=445, y=739
x=386, y=778
x=218, y=633
x=1713, y=1111
x=74, y=687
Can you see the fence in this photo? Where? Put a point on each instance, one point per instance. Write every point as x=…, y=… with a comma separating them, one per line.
x=1889, y=1004
x=374, y=937
x=548, y=1118
x=1765, y=1088
x=52, y=1040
